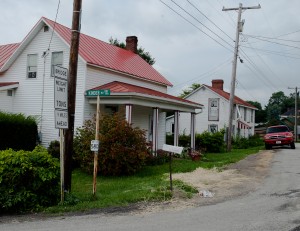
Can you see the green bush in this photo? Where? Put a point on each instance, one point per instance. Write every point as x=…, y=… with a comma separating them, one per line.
x=122, y=151
x=206, y=141
x=83, y=156
x=28, y=180
x=210, y=142
x=161, y=157
x=243, y=143
x=54, y=149
x=17, y=132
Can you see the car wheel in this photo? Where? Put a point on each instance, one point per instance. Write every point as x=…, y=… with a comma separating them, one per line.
x=293, y=145
x=268, y=147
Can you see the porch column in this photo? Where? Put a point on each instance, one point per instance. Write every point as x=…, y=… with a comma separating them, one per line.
x=155, y=131
x=176, y=127
x=128, y=113
x=193, y=116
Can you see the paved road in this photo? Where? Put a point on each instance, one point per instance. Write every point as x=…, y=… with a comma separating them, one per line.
x=274, y=206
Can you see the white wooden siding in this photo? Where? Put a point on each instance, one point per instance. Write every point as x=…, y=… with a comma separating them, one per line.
x=6, y=102
x=33, y=94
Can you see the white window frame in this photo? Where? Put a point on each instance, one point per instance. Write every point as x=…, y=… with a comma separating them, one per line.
x=213, y=128
x=32, y=60
x=55, y=62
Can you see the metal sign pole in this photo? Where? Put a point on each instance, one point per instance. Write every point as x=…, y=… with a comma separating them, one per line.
x=62, y=171
x=170, y=166
x=96, y=152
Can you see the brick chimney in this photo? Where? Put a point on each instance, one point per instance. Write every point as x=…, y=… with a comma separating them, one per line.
x=217, y=83
x=131, y=43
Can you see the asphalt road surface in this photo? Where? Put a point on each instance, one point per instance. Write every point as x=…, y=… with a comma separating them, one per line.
x=275, y=205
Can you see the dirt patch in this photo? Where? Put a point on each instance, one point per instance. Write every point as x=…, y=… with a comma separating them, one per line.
x=235, y=180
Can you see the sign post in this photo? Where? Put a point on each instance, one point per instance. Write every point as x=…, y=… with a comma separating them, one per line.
x=172, y=149
x=95, y=143
x=61, y=115
x=96, y=149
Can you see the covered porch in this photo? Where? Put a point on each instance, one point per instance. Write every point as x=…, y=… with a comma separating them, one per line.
x=145, y=108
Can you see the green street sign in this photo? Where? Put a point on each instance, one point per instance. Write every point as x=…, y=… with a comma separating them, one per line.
x=103, y=92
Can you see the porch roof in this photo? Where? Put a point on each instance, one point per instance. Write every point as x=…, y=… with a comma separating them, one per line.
x=8, y=85
x=124, y=93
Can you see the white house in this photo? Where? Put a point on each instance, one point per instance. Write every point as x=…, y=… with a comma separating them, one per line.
x=137, y=89
x=215, y=113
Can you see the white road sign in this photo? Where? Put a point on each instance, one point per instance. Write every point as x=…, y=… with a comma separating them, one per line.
x=60, y=94
x=61, y=119
x=61, y=72
x=170, y=148
x=95, y=145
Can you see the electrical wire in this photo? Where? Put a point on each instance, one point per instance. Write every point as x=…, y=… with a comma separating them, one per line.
x=195, y=26
x=201, y=23
x=256, y=36
x=210, y=20
x=54, y=24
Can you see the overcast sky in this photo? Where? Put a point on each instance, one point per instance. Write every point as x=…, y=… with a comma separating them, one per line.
x=182, y=43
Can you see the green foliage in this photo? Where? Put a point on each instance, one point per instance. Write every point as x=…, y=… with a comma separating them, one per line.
x=206, y=141
x=141, y=51
x=260, y=114
x=243, y=143
x=28, y=180
x=83, y=156
x=187, y=91
x=54, y=149
x=17, y=131
x=210, y=142
x=123, y=148
x=161, y=157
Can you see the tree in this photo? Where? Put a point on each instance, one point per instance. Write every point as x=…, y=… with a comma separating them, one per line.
x=140, y=51
x=260, y=114
x=186, y=92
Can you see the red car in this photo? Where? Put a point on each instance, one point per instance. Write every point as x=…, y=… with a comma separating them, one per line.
x=278, y=136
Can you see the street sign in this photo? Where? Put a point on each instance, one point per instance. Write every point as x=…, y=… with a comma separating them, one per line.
x=60, y=94
x=61, y=119
x=61, y=97
x=103, y=92
x=171, y=148
x=61, y=72
x=95, y=145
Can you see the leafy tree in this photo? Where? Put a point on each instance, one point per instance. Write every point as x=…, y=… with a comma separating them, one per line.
x=260, y=114
x=141, y=51
x=187, y=91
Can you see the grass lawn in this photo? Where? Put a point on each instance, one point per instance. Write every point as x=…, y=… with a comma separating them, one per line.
x=150, y=184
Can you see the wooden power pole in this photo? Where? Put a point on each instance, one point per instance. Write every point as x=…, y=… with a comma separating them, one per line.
x=296, y=113
x=234, y=64
x=72, y=93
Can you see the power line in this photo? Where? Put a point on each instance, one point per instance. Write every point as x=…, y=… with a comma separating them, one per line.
x=195, y=25
x=210, y=72
x=256, y=36
x=281, y=44
x=209, y=20
x=283, y=54
x=54, y=25
x=200, y=22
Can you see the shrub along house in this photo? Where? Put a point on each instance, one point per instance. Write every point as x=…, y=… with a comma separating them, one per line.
x=137, y=89
x=215, y=113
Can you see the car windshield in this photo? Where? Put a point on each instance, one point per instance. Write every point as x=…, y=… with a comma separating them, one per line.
x=277, y=129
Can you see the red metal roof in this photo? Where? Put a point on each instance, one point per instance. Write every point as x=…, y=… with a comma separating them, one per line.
x=102, y=54
x=226, y=95
x=7, y=84
x=120, y=87
x=6, y=51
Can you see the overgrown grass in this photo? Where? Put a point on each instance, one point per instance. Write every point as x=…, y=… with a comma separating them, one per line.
x=150, y=184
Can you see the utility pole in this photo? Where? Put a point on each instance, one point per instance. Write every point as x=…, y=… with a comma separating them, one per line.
x=73, y=61
x=239, y=29
x=296, y=113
